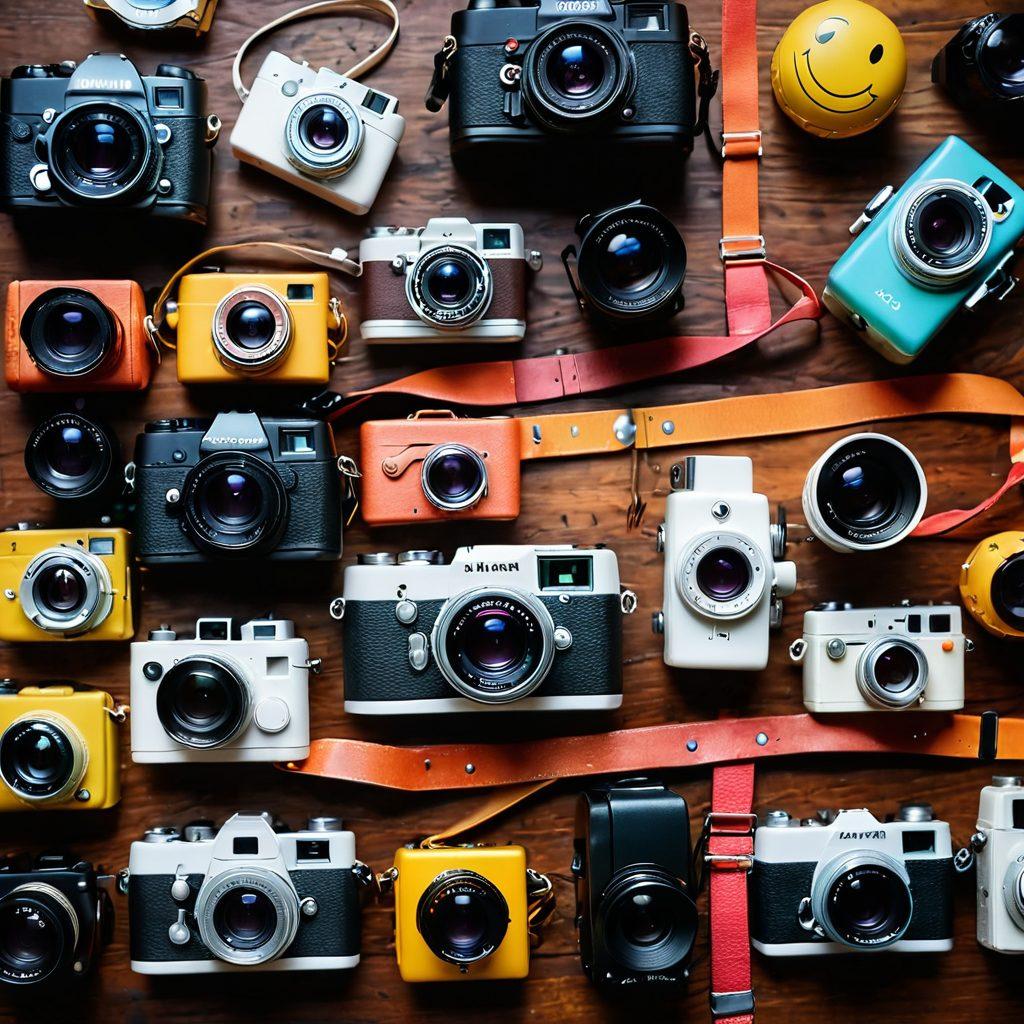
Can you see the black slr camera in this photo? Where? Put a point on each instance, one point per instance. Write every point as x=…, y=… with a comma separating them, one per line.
x=239, y=486
x=519, y=73
x=55, y=919
x=636, y=913
x=983, y=64
x=98, y=135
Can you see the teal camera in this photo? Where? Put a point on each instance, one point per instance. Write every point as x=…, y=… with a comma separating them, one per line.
x=943, y=242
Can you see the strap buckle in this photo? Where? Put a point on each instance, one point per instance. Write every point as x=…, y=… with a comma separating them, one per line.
x=732, y=1004
x=735, y=825
x=741, y=137
x=753, y=248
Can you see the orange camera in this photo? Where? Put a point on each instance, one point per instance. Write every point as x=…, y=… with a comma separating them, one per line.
x=434, y=467
x=76, y=336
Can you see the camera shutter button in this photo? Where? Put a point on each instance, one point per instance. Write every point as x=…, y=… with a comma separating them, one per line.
x=406, y=612
x=272, y=715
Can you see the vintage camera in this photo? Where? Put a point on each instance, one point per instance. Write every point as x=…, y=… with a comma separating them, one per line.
x=910, y=657
x=944, y=242
x=630, y=265
x=58, y=748
x=983, y=64
x=724, y=574
x=77, y=336
x=866, y=492
x=99, y=136
x=250, y=895
x=992, y=584
x=146, y=15
x=435, y=467
x=999, y=848
x=238, y=486
x=447, y=282
x=330, y=135
x=261, y=328
x=74, y=459
x=604, y=73
x=462, y=913
x=636, y=914
x=55, y=918
x=500, y=627
x=65, y=585
x=847, y=882
x=225, y=694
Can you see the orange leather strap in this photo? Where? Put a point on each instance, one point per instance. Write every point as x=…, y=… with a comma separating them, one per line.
x=682, y=745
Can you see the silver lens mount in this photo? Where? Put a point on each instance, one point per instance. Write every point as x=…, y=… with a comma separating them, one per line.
x=892, y=673
x=328, y=161
x=728, y=589
x=89, y=592
x=233, y=352
x=460, y=496
x=471, y=277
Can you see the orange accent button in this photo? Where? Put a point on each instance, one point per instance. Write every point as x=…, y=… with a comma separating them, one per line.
x=947, y=645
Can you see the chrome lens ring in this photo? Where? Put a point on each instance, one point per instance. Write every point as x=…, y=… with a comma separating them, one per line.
x=1013, y=890
x=268, y=352
x=276, y=892
x=60, y=734
x=444, y=479
x=330, y=161
x=214, y=678
x=157, y=14
x=460, y=310
x=85, y=584
x=892, y=673
x=46, y=907
x=725, y=602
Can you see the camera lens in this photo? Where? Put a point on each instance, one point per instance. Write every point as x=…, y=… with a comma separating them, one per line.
x=1008, y=591
x=867, y=491
x=69, y=332
x=41, y=758
x=723, y=574
x=252, y=329
x=449, y=283
x=37, y=925
x=453, y=477
x=867, y=904
x=494, y=646
x=251, y=325
x=576, y=68
x=202, y=702
x=322, y=127
x=232, y=497
x=66, y=590
x=245, y=919
x=450, y=287
x=60, y=589
x=100, y=147
x=462, y=917
x=944, y=225
x=892, y=673
x=942, y=232
x=69, y=457
x=1002, y=53
x=323, y=135
x=632, y=259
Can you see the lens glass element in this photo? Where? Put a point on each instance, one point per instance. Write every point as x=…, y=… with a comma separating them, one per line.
x=896, y=668
x=1008, y=591
x=632, y=259
x=202, y=703
x=101, y=148
x=323, y=128
x=245, y=918
x=60, y=590
x=30, y=940
x=251, y=325
x=576, y=68
x=944, y=225
x=723, y=573
x=70, y=451
x=449, y=282
x=1002, y=53
x=462, y=917
x=232, y=497
x=869, y=905
x=36, y=758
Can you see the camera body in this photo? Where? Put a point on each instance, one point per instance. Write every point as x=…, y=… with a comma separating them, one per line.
x=76, y=336
x=260, y=328
x=942, y=243
x=500, y=627
x=816, y=881
x=153, y=155
x=145, y=15
x=724, y=577
x=330, y=135
x=999, y=843
x=450, y=281
x=65, y=585
x=430, y=881
x=606, y=73
x=251, y=895
x=992, y=584
x=632, y=850
x=910, y=657
x=239, y=486
x=436, y=466
x=253, y=687
x=56, y=908
x=980, y=65
x=58, y=748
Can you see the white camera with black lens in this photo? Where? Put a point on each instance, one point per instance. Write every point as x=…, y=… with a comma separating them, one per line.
x=253, y=895
x=724, y=574
x=225, y=694
x=882, y=659
x=999, y=845
x=326, y=133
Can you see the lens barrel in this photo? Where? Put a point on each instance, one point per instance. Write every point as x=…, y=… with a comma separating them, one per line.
x=66, y=590
x=71, y=458
x=323, y=135
x=453, y=477
x=892, y=673
x=863, y=900
x=252, y=330
x=68, y=332
x=204, y=702
x=43, y=758
x=449, y=287
x=39, y=931
x=462, y=916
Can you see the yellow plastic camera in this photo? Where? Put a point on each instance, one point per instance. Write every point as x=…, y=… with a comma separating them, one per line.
x=992, y=584
x=461, y=913
x=58, y=746
x=269, y=328
x=65, y=585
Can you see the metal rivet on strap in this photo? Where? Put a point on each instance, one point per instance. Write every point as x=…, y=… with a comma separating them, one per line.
x=761, y=739
x=691, y=745
x=470, y=768
x=668, y=427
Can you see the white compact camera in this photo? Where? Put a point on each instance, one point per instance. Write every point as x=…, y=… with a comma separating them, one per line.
x=326, y=133
x=882, y=659
x=723, y=583
x=221, y=695
x=252, y=895
x=999, y=845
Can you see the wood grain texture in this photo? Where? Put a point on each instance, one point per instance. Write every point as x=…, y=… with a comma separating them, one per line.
x=811, y=191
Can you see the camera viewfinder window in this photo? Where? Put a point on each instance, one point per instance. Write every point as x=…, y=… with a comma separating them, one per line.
x=919, y=842
x=297, y=442
x=566, y=573
x=170, y=98
x=246, y=846
x=101, y=545
x=375, y=102
x=300, y=293
x=497, y=238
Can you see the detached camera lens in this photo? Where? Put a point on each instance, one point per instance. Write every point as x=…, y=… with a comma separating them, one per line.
x=1002, y=54
x=70, y=457
x=462, y=917
x=1008, y=591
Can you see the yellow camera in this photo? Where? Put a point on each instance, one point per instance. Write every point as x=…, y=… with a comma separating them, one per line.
x=65, y=585
x=461, y=912
x=58, y=746
x=274, y=328
x=992, y=584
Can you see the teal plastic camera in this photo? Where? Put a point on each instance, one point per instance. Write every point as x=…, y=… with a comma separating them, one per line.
x=942, y=243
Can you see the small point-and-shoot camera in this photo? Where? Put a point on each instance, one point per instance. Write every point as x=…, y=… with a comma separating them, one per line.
x=999, y=848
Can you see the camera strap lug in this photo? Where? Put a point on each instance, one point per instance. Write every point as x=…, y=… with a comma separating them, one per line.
x=707, y=80
x=540, y=897
x=996, y=286
x=337, y=331
x=123, y=879
x=569, y=259
x=129, y=479
x=337, y=609
x=440, y=86
x=119, y=713
x=213, y=127
x=350, y=499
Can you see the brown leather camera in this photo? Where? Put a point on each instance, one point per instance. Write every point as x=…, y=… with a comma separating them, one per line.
x=76, y=336
x=434, y=467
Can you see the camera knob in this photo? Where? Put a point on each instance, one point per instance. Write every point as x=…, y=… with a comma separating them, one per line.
x=777, y=819
x=163, y=632
x=272, y=715
x=173, y=71
x=324, y=823
x=178, y=933
x=199, y=831
x=915, y=812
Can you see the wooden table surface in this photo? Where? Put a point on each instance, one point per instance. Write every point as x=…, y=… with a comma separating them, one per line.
x=811, y=191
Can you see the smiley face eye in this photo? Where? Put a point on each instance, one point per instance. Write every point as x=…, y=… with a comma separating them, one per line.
x=876, y=54
x=828, y=28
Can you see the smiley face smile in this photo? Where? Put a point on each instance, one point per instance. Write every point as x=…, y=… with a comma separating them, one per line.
x=842, y=108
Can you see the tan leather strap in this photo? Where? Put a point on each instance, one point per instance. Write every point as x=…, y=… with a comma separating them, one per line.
x=385, y=7
x=683, y=745
x=494, y=806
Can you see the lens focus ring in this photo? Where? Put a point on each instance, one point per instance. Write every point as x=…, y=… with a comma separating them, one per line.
x=462, y=916
x=722, y=575
x=892, y=673
x=453, y=477
x=252, y=329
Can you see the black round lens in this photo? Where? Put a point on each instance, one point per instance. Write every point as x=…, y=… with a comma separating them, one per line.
x=865, y=491
x=101, y=148
x=462, y=920
x=869, y=905
x=323, y=128
x=723, y=574
x=449, y=283
x=233, y=497
x=1008, y=591
x=645, y=920
x=30, y=940
x=896, y=669
x=69, y=332
x=245, y=918
x=944, y=225
x=71, y=329
x=453, y=477
x=36, y=758
x=494, y=640
x=251, y=325
x=1002, y=53
x=70, y=451
x=632, y=259
x=60, y=589
x=576, y=68
x=462, y=917
x=202, y=703
x=69, y=457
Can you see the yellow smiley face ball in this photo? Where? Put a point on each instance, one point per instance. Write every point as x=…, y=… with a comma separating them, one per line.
x=839, y=68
